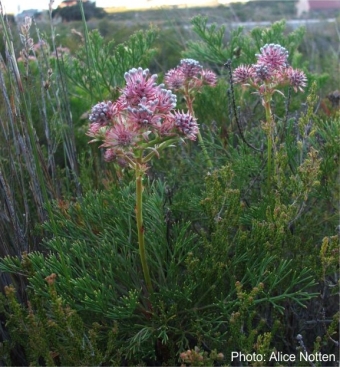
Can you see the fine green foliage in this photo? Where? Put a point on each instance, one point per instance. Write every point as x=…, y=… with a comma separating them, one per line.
x=52, y=332
x=98, y=66
x=241, y=48
x=95, y=257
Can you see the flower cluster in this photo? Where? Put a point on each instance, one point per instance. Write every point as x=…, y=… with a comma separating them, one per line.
x=189, y=74
x=270, y=71
x=141, y=118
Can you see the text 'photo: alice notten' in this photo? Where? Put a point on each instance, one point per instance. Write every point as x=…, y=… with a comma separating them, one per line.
x=282, y=357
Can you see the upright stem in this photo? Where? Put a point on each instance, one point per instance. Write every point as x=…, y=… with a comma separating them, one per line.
x=269, y=121
x=200, y=139
x=140, y=226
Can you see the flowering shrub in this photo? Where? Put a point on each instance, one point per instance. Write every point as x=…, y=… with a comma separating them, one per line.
x=270, y=72
x=142, y=122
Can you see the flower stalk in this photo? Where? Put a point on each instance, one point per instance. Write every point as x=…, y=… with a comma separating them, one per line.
x=190, y=100
x=270, y=72
x=270, y=141
x=140, y=227
x=134, y=129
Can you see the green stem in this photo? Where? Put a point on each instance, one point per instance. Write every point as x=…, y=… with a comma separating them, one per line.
x=269, y=143
x=190, y=101
x=140, y=226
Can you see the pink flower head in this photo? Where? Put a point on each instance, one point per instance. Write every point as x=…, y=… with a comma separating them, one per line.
x=167, y=126
x=120, y=135
x=190, y=68
x=296, y=78
x=110, y=155
x=103, y=112
x=262, y=72
x=166, y=101
x=139, y=84
x=149, y=104
x=209, y=77
x=96, y=131
x=186, y=124
x=273, y=56
x=174, y=79
x=143, y=116
x=242, y=74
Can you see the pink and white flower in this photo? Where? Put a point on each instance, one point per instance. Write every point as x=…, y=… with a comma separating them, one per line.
x=296, y=78
x=186, y=124
x=274, y=57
